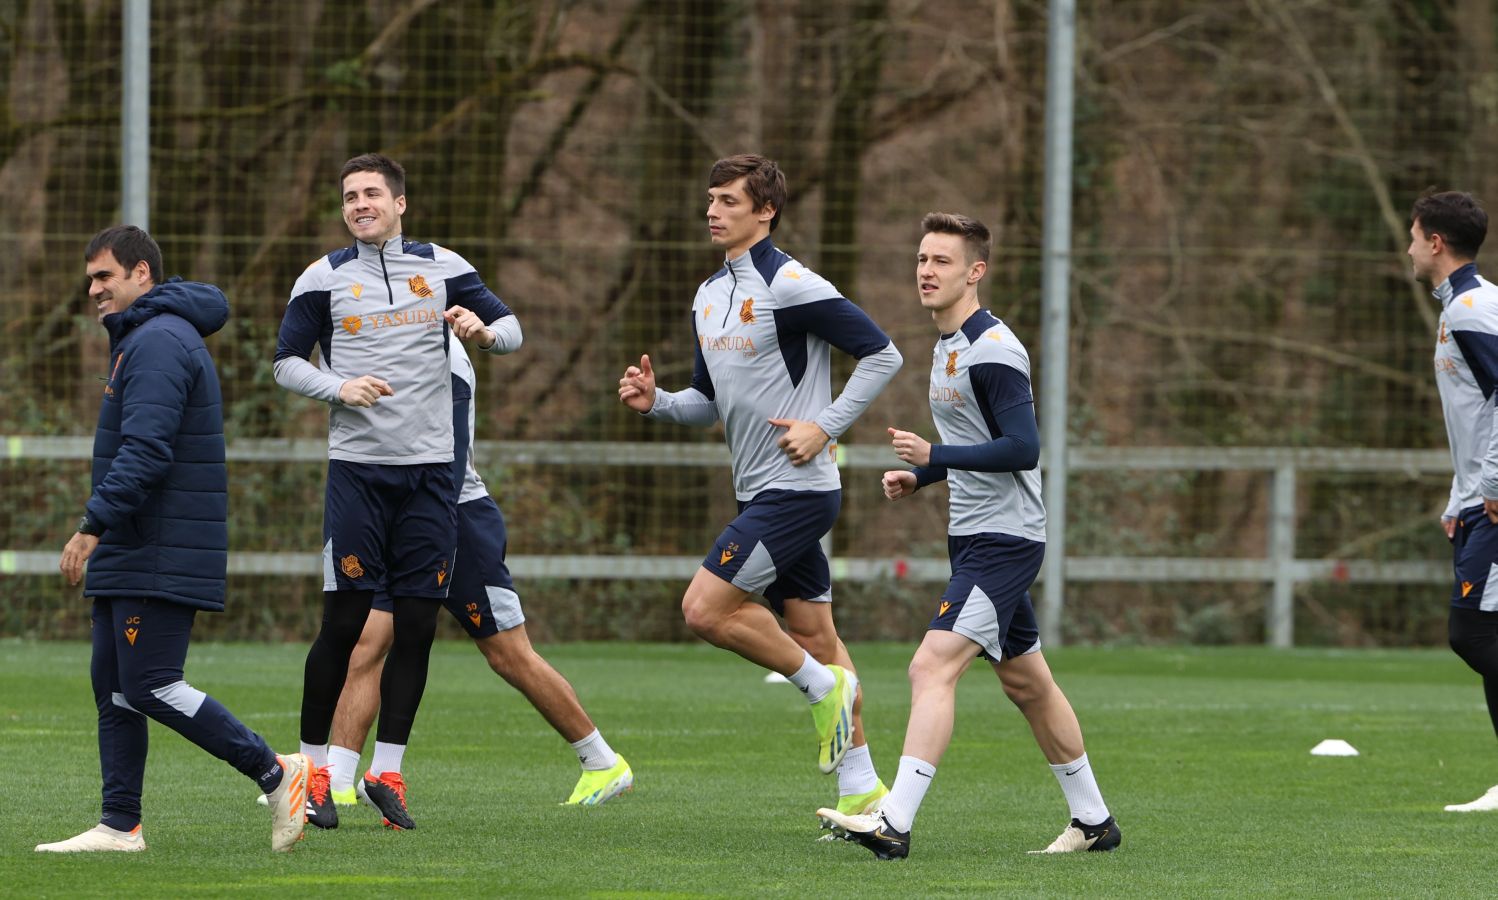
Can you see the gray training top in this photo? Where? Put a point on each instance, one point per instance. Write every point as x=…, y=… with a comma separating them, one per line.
x=765, y=326
x=1466, y=368
x=376, y=309
x=980, y=375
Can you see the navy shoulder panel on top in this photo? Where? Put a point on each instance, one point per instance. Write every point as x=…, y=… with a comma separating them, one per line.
x=343, y=255
x=837, y=321
x=768, y=259
x=308, y=321
x=1481, y=352
x=977, y=323
x=999, y=387
x=1464, y=279
x=417, y=248
x=715, y=276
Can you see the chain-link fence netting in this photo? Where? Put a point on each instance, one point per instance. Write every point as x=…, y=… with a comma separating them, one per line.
x=1243, y=173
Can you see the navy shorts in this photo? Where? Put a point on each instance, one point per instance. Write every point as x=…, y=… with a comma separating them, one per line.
x=1474, y=552
x=390, y=528
x=483, y=597
x=988, y=599
x=774, y=546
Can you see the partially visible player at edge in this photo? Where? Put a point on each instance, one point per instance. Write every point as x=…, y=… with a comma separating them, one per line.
x=985, y=412
x=484, y=602
x=380, y=311
x=1446, y=231
x=764, y=326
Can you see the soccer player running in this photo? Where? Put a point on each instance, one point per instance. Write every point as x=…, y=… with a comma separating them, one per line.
x=484, y=602
x=155, y=535
x=1446, y=231
x=984, y=410
x=764, y=326
x=380, y=311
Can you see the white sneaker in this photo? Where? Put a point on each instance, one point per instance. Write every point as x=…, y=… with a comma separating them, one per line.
x=96, y=839
x=288, y=803
x=1079, y=838
x=1481, y=804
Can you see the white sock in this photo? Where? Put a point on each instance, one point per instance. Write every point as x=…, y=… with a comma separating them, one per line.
x=595, y=753
x=318, y=753
x=387, y=758
x=343, y=767
x=855, y=774
x=814, y=679
x=905, y=797
x=1081, y=790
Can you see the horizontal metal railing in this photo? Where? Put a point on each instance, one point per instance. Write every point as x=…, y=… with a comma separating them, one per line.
x=1279, y=566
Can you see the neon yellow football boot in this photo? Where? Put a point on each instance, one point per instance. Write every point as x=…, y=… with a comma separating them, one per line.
x=833, y=717
x=602, y=785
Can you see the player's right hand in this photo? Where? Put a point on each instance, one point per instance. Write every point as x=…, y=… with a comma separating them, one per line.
x=1448, y=524
x=637, y=387
x=366, y=390
x=899, y=483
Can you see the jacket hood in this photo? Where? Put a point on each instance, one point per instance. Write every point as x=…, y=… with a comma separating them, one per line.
x=203, y=305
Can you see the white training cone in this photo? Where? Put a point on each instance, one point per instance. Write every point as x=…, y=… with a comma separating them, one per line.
x=1334, y=747
x=776, y=678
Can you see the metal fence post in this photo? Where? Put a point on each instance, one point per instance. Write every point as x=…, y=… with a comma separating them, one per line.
x=1280, y=618
x=135, y=115
x=1055, y=288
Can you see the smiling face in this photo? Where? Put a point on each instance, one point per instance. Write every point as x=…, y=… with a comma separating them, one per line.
x=733, y=223
x=111, y=288
x=943, y=273
x=371, y=213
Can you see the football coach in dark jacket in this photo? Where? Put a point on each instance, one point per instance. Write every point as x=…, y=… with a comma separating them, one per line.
x=155, y=535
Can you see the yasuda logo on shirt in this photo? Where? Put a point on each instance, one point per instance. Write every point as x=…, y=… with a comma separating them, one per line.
x=948, y=395
x=422, y=316
x=727, y=343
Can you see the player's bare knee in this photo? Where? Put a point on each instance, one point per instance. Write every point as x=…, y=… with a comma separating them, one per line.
x=703, y=618
x=509, y=663
x=926, y=671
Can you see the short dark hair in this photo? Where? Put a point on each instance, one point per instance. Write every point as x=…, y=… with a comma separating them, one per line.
x=1456, y=216
x=394, y=174
x=130, y=245
x=974, y=234
x=763, y=180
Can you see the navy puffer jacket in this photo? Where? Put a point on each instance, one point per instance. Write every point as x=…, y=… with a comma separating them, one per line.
x=160, y=488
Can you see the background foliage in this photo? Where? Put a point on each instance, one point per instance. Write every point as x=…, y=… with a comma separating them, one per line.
x=1243, y=176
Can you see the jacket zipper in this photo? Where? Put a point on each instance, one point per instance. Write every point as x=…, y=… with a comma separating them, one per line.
x=735, y=276
x=386, y=273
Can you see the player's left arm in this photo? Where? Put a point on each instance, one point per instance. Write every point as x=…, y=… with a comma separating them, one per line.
x=1003, y=394
x=840, y=323
x=474, y=312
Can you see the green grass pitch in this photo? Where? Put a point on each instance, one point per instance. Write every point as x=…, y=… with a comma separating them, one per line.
x=1203, y=755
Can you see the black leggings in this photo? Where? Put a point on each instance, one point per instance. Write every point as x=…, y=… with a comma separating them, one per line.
x=1474, y=637
x=343, y=615
x=405, y=676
